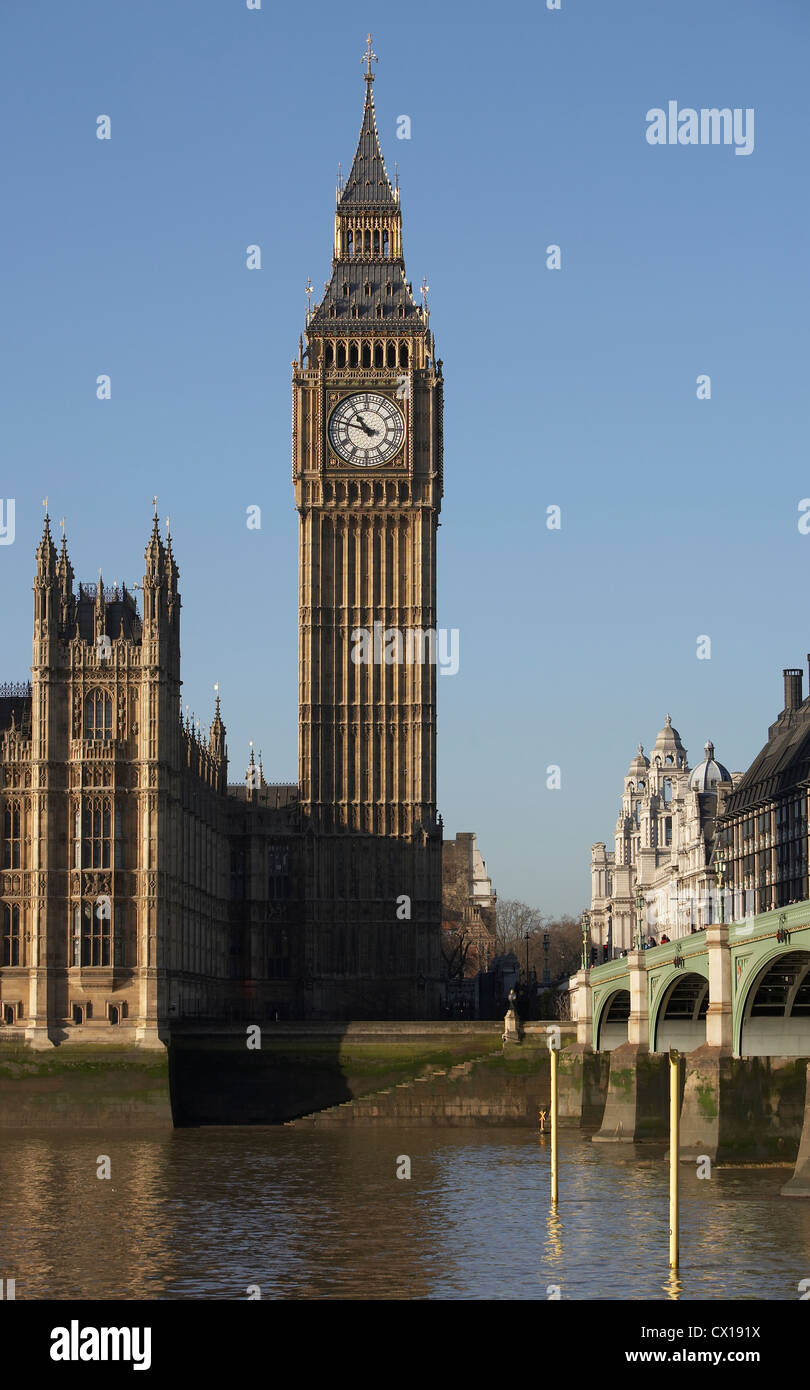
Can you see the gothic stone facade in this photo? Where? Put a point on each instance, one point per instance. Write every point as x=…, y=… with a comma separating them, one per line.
x=137, y=888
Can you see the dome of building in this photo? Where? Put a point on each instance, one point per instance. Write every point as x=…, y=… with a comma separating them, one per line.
x=639, y=764
x=708, y=773
x=669, y=739
x=668, y=750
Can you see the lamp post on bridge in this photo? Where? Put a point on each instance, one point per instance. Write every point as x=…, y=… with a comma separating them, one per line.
x=639, y=910
x=586, y=938
x=720, y=869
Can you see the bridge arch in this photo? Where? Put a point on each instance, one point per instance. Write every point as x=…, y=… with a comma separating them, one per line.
x=679, y=1017
x=773, y=1019
x=610, y=1025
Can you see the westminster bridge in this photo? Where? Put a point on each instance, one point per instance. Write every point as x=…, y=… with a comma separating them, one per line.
x=734, y=1002
x=743, y=988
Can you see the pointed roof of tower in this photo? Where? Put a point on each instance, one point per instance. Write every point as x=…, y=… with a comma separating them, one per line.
x=217, y=730
x=171, y=564
x=65, y=568
x=368, y=184
x=46, y=550
x=155, y=554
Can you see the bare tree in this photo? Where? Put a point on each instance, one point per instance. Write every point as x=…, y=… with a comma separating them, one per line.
x=515, y=919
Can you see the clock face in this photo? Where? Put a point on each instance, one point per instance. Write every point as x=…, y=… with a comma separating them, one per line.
x=366, y=429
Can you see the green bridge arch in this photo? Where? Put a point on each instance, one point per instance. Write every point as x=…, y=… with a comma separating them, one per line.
x=662, y=983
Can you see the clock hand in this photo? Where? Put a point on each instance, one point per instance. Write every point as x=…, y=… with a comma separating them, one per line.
x=359, y=419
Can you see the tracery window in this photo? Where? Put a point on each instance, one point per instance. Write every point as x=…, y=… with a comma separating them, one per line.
x=96, y=836
x=11, y=934
x=278, y=875
x=92, y=933
x=12, y=838
x=98, y=715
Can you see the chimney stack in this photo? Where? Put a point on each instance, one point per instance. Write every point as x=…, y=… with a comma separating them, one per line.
x=793, y=687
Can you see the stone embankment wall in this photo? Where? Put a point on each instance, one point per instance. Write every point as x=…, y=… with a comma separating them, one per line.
x=84, y=1087
x=505, y=1089
x=300, y=1068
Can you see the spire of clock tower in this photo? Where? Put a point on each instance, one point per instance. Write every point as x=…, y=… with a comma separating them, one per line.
x=368, y=269
x=368, y=184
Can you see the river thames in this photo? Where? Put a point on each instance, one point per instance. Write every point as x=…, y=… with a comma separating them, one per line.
x=306, y=1213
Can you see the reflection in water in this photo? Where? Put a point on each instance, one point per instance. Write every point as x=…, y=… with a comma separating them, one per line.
x=308, y=1213
x=554, y=1247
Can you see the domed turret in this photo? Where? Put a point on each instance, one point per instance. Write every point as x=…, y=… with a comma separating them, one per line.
x=640, y=763
x=708, y=773
x=668, y=747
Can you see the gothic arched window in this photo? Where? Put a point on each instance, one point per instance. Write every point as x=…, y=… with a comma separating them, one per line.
x=378, y=354
x=349, y=248
x=368, y=244
x=385, y=243
x=98, y=715
x=96, y=833
x=403, y=354
x=353, y=355
x=11, y=934
x=329, y=354
x=93, y=933
x=366, y=355
x=341, y=355
x=376, y=243
x=391, y=355
x=12, y=838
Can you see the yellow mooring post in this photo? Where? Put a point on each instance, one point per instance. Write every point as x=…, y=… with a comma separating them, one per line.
x=553, y=1050
x=674, y=1149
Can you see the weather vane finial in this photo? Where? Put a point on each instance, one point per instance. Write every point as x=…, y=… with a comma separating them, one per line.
x=368, y=58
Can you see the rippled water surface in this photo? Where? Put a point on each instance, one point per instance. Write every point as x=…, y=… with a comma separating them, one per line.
x=308, y=1213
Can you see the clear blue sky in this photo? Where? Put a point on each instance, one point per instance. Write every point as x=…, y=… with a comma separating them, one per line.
x=575, y=388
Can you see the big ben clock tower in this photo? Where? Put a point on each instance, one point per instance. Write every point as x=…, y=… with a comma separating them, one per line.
x=367, y=470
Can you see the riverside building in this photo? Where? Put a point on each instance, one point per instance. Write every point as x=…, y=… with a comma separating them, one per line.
x=138, y=887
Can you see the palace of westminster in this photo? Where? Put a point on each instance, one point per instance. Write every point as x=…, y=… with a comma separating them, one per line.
x=137, y=887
